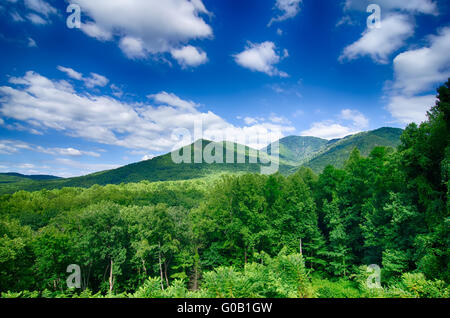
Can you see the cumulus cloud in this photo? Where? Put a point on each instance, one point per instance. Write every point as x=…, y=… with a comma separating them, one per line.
x=349, y=122
x=410, y=109
x=288, y=8
x=145, y=28
x=418, y=70
x=189, y=56
x=358, y=119
x=416, y=73
x=49, y=105
x=380, y=43
x=95, y=80
x=397, y=25
x=261, y=58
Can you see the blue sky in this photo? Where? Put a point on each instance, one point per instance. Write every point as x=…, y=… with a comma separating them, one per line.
x=115, y=90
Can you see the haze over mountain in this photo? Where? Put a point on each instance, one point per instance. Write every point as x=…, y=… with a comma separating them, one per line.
x=295, y=151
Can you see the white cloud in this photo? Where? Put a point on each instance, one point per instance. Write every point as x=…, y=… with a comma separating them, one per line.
x=9, y=147
x=147, y=27
x=95, y=31
x=418, y=70
x=133, y=47
x=261, y=58
x=358, y=119
x=41, y=7
x=171, y=99
x=15, y=146
x=116, y=91
x=412, y=6
x=250, y=120
x=189, y=56
x=380, y=43
x=71, y=72
x=95, y=80
x=36, y=19
x=288, y=8
x=71, y=152
x=31, y=43
x=349, y=122
x=85, y=168
x=92, y=81
x=41, y=102
x=274, y=118
x=17, y=17
x=328, y=130
x=410, y=109
x=147, y=157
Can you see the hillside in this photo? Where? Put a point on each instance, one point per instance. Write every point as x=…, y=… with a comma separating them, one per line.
x=296, y=150
x=17, y=177
x=337, y=152
x=160, y=168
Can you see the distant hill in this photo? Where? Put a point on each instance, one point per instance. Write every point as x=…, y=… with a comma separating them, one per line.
x=160, y=168
x=14, y=177
x=337, y=152
x=296, y=150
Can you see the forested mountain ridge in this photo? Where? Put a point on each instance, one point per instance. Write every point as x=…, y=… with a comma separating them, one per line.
x=297, y=150
x=14, y=177
x=294, y=151
x=336, y=152
x=161, y=168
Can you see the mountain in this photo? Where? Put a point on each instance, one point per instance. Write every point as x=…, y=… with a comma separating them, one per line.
x=296, y=150
x=160, y=168
x=16, y=177
x=337, y=151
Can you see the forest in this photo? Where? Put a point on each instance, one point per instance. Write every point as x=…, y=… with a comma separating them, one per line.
x=304, y=235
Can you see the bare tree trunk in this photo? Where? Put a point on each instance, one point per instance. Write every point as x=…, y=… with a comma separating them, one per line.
x=143, y=265
x=160, y=266
x=301, y=251
x=165, y=274
x=196, y=261
x=111, y=277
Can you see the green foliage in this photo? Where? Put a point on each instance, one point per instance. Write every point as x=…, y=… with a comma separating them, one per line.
x=337, y=152
x=244, y=235
x=296, y=150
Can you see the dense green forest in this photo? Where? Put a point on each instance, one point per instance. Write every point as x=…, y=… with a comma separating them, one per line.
x=301, y=235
